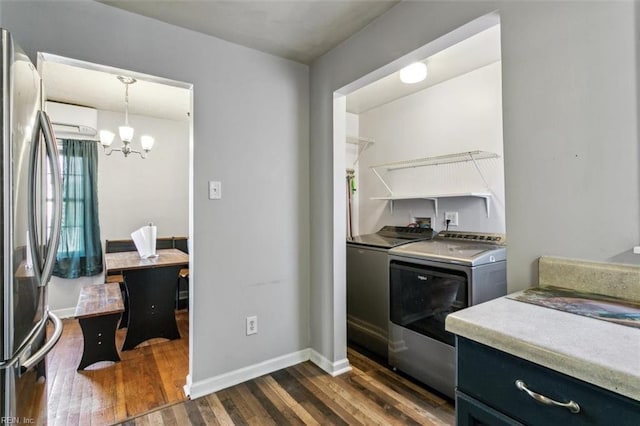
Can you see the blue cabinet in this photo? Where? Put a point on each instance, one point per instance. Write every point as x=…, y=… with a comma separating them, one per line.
x=487, y=393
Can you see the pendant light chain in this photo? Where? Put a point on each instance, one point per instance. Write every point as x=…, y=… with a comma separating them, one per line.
x=126, y=104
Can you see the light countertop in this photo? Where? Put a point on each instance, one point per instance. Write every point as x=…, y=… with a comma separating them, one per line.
x=595, y=351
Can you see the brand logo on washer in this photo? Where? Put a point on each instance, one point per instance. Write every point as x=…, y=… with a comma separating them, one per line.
x=422, y=278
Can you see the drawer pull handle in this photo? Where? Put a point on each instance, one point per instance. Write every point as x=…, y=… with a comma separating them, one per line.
x=571, y=405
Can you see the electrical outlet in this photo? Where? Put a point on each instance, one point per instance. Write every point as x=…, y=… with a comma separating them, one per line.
x=252, y=325
x=452, y=217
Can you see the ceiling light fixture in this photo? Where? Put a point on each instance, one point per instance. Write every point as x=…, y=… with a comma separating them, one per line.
x=126, y=131
x=413, y=73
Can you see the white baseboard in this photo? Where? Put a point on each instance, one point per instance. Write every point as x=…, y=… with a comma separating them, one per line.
x=214, y=384
x=65, y=313
x=186, y=388
x=223, y=381
x=334, y=368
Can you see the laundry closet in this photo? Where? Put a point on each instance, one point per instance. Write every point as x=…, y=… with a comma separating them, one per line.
x=425, y=163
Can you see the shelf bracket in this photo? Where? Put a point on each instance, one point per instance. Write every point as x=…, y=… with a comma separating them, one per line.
x=487, y=204
x=435, y=204
x=473, y=160
x=360, y=150
x=383, y=182
x=387, y=187
x=362, y=143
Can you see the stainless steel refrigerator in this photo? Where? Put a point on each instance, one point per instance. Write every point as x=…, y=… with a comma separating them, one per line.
x=30, y=213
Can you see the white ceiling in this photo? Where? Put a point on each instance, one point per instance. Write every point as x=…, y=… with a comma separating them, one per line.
x=300, y=30
x=91, y=86
x=475, y=52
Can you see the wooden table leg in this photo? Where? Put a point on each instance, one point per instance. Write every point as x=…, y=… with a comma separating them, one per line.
x=99, y=334
x=151, y=295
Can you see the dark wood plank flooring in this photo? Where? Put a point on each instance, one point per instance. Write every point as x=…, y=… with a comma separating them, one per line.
x=305, y=395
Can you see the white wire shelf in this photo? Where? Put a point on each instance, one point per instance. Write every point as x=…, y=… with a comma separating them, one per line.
x=430, y=196
x=434, y=161
x=462, y=157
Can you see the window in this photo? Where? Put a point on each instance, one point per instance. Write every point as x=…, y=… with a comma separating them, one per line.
x=73, y=206
x=79, y=250
x=49, y=195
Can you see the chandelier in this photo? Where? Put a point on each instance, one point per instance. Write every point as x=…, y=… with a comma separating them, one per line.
x=126, y=131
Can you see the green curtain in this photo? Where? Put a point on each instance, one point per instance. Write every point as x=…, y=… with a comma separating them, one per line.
x=80, y=250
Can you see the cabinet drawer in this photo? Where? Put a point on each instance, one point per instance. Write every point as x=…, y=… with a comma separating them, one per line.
x=490, y=376
x=471, y=412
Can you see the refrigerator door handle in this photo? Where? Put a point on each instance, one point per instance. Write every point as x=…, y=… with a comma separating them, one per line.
x=32, y=216
x=42, y=352
x=46, y=348
x=52, y=156
x=43, y=265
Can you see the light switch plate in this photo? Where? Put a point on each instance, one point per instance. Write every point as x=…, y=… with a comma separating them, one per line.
x=252, y=325
x=215, y=190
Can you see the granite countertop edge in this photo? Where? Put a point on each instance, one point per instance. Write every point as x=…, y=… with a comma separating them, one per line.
x=588, y=349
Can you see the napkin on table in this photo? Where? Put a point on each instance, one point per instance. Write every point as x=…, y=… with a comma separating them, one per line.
x=145, y=240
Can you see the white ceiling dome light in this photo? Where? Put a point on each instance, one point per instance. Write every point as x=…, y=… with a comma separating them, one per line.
x=413, y=73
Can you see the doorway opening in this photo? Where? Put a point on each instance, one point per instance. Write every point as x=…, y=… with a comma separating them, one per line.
x=132, y=192
x=425, y=154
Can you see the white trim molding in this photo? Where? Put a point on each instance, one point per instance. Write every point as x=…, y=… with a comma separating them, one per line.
x=223, y=381
x=334, y=368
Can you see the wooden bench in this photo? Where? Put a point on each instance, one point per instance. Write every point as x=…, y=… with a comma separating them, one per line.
x=98, y=312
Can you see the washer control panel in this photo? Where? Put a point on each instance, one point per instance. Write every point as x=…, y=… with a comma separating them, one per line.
x=498, y=239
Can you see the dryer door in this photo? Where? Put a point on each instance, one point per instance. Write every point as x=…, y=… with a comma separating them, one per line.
x=422, y=296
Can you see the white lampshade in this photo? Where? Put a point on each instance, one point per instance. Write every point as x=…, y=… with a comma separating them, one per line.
x=147, y=142
x=413, y=73
x=126, y=133
x=106, y=137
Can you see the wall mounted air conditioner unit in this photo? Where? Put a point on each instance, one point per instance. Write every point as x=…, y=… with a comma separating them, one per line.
x=72, y=121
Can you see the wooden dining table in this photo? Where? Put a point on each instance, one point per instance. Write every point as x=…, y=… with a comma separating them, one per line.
x=151, y=287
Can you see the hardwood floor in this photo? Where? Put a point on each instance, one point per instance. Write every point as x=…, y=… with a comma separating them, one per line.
x=146, y=388
x=150, y=376
x=304, y=394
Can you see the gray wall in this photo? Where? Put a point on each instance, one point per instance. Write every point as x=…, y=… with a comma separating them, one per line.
x=250, y=249
x=569, y=88
x=570, y=134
